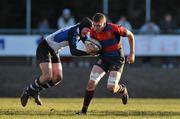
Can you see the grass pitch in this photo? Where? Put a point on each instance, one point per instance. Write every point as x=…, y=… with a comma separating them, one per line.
x=104, y=108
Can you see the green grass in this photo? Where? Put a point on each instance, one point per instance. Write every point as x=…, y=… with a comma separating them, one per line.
x=111, y=108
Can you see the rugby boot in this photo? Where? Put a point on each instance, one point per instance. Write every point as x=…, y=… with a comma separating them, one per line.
x=81, y=113
x=24, y=97
x=125, y=95
x=37, y=99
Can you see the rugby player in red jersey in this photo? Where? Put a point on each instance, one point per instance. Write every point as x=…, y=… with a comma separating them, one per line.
x=111, y=58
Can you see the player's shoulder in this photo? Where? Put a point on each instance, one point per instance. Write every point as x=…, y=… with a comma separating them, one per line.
x=73, y=27
x=72, y=30
x=113, y=26
x=110, y=24
x=117, y=28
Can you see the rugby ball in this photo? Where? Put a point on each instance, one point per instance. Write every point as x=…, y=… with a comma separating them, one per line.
x=95, y=43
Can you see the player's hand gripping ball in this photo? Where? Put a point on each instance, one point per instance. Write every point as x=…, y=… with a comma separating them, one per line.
x=93, y=46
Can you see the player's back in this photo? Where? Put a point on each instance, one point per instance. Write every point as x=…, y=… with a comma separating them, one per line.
x=59, y=39
x=61, y=34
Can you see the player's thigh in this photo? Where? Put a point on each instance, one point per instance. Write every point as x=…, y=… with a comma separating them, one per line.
x=43, y=53
x=114, y=78
x=43, y=57
x=95, y=76
x=116, y=71
x=56, y=67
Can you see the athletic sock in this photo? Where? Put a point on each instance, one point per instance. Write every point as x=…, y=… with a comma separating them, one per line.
x=121, y=89
x=36, y=86
x=50, y=84
x=87, y=99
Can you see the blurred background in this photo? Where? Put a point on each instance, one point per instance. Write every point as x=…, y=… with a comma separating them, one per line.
x=155, y=23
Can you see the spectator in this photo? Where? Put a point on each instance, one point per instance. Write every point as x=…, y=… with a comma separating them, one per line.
x=43, y=26
x=123, y=22
x=65, y=19
x=168, y=25
x=149, y=28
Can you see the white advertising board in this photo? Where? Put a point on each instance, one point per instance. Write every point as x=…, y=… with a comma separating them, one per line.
x=146, y=45
x=155, y=45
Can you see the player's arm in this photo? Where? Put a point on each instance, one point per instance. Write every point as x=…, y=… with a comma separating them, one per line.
x=75, y=51
x=126, y=33
x=73, y=46
x=131, y=57
x=88, y=44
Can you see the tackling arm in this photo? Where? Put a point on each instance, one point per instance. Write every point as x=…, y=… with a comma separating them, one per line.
x=73, y=46
x=75, y=51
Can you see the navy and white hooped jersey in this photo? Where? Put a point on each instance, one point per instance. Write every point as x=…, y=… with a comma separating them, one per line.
x=67, y=36
x=59, y=39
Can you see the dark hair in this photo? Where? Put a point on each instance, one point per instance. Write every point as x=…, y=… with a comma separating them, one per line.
x=98, y=17
x=85, y=22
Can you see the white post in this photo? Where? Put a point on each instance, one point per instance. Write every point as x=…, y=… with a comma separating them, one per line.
x=148, y=10
x=28, y=16
x=105, y=6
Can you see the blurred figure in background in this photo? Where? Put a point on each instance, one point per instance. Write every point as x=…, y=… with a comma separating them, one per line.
x=43, y=26
x=149, y=28
x=125, y=23
x=168, y=25
x=66, y=19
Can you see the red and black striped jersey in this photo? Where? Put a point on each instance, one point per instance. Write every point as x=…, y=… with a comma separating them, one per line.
x=110, y=39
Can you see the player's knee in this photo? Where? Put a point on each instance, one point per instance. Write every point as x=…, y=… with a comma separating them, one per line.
x=112, y=84
x=47, y=77
x=57, y=79
x=91, y=85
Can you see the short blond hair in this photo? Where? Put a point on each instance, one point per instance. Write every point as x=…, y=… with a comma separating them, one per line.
x=98, y=17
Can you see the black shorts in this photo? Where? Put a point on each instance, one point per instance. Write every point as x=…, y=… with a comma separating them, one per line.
x=45, y=53
x=111, y=64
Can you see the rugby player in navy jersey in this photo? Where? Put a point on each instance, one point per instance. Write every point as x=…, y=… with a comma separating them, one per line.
x=111, y=58
x=49, y=61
